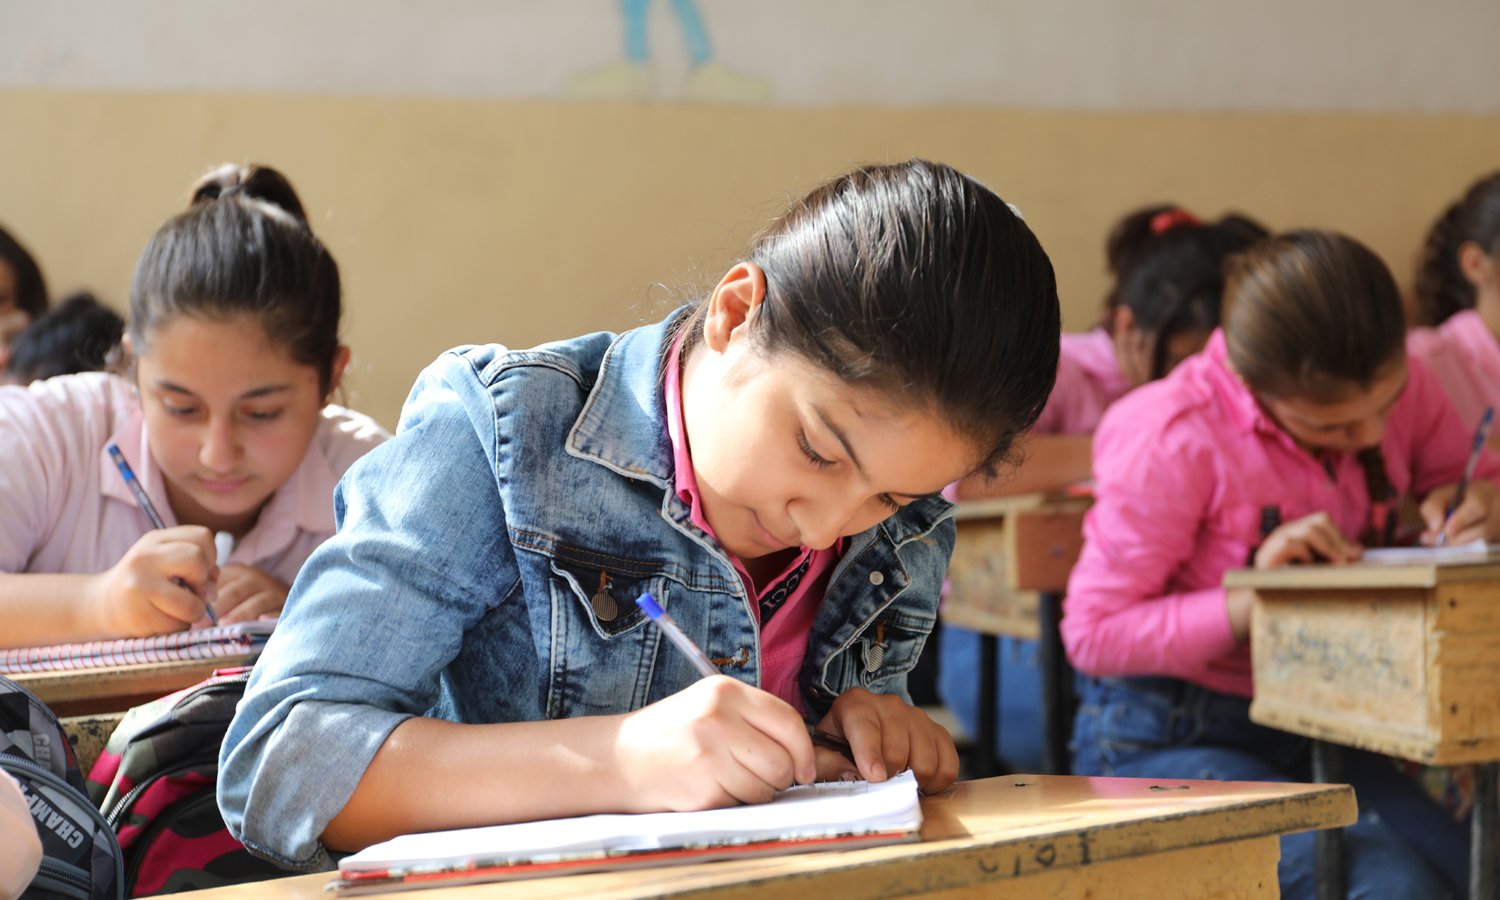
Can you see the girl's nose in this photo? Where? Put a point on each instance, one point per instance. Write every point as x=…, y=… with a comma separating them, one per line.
x=824, y=520
x=220, y=450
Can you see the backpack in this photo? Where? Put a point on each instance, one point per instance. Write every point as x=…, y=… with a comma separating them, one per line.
x=80, y=857
x=156, y=782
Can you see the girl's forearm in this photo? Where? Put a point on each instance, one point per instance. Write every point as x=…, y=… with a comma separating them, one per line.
x=433, y=775
x=1053, y=461
x=49, y=609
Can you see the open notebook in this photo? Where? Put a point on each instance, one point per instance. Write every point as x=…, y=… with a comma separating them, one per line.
x=1453, y=554
x=832, y=815
x=243, y=639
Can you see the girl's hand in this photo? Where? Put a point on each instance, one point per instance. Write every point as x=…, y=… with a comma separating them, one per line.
x=1477, y=517
x=136, y=597
x=246, y=593
x=717, y=743
x=1304, y=540
x=887, y=735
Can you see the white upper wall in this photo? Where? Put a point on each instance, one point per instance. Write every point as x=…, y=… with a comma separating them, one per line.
x=1199, y=55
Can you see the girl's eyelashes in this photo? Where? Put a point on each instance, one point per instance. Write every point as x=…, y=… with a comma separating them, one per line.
x=810, y=453
x=889, y=501
x=263, y=415
x=179, y=411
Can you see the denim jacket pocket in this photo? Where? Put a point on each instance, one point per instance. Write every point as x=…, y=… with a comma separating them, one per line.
x=887, y=650
x=603, y=649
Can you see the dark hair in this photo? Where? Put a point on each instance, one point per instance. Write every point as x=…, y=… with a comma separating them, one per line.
x=1311, y=314
x=31, y=288
x=78, y=335
x=243, y=248
x=1442, y=289
x=1170, y=273
x=918, y=281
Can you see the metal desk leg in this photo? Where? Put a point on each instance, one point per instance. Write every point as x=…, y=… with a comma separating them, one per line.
x=1328, y=768
x=1482, y=834
x=1057, y=688
x=989, y=676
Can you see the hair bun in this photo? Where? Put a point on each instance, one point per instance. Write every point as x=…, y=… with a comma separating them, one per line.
x=257, y=182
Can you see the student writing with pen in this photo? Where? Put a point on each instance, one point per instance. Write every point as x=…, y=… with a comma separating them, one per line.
x=766, y=464
x=223, y=420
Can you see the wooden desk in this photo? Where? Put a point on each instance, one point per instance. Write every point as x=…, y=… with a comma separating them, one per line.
x=1402, y=660
x=1030, y=836
x=85, y=692
x=1008, y=573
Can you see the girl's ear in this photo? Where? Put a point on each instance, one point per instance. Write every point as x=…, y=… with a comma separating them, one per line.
x=340, y=362
x=1481, y=269
x=732, y=304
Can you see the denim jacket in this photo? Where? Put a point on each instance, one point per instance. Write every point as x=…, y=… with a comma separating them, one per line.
x=463, y=583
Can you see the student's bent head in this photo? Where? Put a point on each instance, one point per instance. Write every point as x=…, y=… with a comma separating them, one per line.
x=234, y=316
x=894, y=330
x=1313, y=323
x=1461, y=259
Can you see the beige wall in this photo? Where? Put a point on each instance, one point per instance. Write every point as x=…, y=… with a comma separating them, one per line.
x=522, y=221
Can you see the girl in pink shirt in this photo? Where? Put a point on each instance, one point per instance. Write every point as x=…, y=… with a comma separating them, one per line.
x=1292, y=437
x=1162, y=308
x=1458, y=292
x=225, y=421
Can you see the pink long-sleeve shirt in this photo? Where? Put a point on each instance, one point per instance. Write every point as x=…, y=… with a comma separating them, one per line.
x=1088, y=381
x=1183, y=468
x=1465, y=356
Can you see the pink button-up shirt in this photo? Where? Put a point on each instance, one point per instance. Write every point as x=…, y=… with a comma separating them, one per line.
x=783, y=641
x=1183, y=468
x=1088, y=381
x=1465, y=356
x=65, y=509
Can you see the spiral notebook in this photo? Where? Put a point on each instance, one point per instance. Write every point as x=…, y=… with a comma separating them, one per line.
x=243, y=639
x=802, y=819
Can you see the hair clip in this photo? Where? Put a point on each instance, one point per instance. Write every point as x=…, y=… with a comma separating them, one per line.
x=1166, y=221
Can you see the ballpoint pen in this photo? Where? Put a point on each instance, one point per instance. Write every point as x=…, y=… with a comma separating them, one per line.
x=705, y=666
x=1481, y=435
x=144, y=502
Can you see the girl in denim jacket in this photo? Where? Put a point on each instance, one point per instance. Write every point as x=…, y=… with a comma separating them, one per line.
x=467, y=650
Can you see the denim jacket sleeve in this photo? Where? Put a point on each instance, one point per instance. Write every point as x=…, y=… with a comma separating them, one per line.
x=373, y=619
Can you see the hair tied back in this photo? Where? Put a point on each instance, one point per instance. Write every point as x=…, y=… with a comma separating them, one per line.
x=1163, y=222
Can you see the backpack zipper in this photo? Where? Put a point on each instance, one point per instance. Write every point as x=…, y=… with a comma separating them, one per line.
x=129, y=799
x=63, y=878
x=34, y=770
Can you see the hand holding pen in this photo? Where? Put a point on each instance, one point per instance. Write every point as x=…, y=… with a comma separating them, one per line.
x=892, y=734
x=1463, y=490
x=151, y=589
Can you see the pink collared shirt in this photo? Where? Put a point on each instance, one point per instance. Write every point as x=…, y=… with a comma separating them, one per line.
x=783, y=641
x=1465, y=356
x=67, y=510
x=1088, y=381
x=1183, y=468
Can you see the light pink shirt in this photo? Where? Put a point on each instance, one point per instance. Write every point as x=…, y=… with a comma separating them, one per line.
x=1088, y=381
x=783, y=642
x=1465, y=356
x=1183, y=468
x=67, y=510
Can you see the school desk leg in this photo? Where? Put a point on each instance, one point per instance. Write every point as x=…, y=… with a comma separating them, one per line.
x=1057, y=687
x=1482, y=834
x=987, y=745
x=1328, y=768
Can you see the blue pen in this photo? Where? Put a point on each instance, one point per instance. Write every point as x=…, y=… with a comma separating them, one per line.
x=706, y=667
x=1481, y=435
x=144, y=503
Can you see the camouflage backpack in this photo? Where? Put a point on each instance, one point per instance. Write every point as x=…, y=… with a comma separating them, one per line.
x=155, y=782
x=80, y=858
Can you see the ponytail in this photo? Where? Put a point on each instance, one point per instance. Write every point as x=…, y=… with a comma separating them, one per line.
x=1442, y=288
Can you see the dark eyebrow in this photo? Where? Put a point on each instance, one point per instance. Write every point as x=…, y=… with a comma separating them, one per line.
x=248, y=395
x=842, y=440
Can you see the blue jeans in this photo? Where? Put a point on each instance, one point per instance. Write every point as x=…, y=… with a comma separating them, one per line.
x=1403, y=846
x=1018, y=714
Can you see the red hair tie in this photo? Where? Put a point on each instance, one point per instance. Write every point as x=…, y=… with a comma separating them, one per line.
x=1166, y=221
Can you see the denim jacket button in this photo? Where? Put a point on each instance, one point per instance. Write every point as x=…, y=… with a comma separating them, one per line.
x=877, y=578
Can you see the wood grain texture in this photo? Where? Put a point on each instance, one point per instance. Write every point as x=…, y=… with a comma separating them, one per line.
x=117, y=688
x=1409, y=671
x=980, y=595
x=1360, y=575
x=1019, y=836
x=1045, y=544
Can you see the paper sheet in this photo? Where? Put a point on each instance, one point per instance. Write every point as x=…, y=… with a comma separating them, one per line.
x=854, y=807
x=1474, y=551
